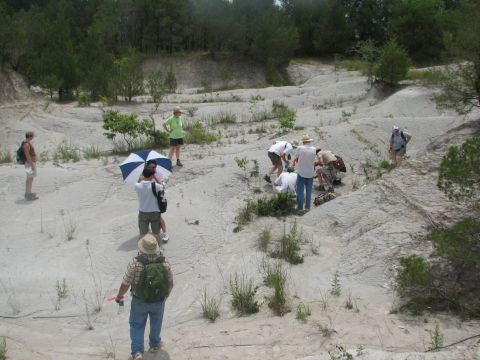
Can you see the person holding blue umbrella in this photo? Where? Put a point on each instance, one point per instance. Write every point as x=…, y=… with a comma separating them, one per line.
x=174, y=126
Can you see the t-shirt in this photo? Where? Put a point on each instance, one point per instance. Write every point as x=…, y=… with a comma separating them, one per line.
x=397, y=142
x=176, y=127
x=281, y=147
x=326, y=156
x=286, y=182
x=306, y=161
x=147, y=202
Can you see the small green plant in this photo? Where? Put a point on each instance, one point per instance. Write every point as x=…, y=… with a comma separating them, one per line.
x=83, y=99
x=244, y=216
x=436, y=339
x=278, y=280
x=66, y=152
x=242, y=164
x=62, y=289
x=415, y=273
x=91, y=152
x=336, y=288
x=303, y=312
x=289, y=245
x=210, y=307
x=349, y=301
x=345, y=115
x=243, y=295
x=287, y=120
x=264, y=238
x=324, y=300
x=386, y=165
x=3, y=348
x=255, y=170
x=44, y=156
x=5, y=156
x=327, y=329
x=191, y=110
x=340, y=353
x=198, y=134
x=257, y=97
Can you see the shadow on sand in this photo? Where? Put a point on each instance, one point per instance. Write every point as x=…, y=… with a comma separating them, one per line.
x=129, y=245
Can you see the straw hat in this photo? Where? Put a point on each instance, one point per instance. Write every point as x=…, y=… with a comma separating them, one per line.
x=148, y=245
x=306, y=138
x=177, y=109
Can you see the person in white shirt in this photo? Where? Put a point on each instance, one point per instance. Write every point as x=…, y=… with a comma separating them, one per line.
x=148, y=210
x=286, y=182
x=306, y=173
x=326, y=171
x=278, y=152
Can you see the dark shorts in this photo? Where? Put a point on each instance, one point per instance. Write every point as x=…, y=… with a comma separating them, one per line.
x=276, y=159
x=175, y=142
x=149, y=219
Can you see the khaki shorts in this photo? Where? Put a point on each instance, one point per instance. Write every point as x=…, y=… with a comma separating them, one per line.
x=275, y=159
x=147, y=220
x=30, y=172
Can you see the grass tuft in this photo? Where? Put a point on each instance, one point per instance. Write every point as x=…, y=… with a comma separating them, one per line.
x=210, y=307
x=243, y=295
x=66, y=152
x=303, y=312
x=5, y=156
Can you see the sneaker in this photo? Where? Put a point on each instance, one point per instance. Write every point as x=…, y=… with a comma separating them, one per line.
x=179, y=163
x=137, y=356
x=267, y=179
x=300, y=212
x=164, y=237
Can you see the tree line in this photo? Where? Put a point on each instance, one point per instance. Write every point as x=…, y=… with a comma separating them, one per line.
x=65, y=45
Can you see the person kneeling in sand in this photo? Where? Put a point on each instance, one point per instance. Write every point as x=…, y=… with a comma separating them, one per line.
x=286, y=182
x=326, y=171
x=278, y=152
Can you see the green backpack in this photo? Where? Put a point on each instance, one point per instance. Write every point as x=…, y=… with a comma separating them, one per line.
x=153, y=284
x=21, y=159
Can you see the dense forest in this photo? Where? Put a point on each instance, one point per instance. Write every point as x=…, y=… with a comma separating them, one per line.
x=68, y=45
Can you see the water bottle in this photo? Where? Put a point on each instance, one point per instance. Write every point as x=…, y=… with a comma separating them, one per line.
x=121, y=306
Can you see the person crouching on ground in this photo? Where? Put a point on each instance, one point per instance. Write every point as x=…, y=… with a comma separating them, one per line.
x=286, y=182
x=148, y=210
x=278, y=152
x=306, y=173
x=174, y=126
x=141, y=309
x=158, y=178
x=326, y=171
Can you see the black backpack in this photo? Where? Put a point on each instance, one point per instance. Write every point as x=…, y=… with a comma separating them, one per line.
x=161, y=199
x=21, y=159
x=339, y=164
x=153, y=284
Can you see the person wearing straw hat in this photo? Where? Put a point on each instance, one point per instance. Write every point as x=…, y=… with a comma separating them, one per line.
x=140, y=311
x=306, y=158
x=174, y=126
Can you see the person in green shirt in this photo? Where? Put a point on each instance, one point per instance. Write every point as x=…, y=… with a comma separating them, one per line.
x=174, y=126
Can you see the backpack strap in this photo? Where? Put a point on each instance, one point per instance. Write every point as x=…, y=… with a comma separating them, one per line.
x=403, y=136
x=154, y=190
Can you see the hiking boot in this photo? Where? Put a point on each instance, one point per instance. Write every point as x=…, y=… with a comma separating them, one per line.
x=31, y=196
x=155, y=349
x=267, y=179
x=321, y=188
x=179, y=163
x=137, y=356
x=300, y=212
x=164, y=237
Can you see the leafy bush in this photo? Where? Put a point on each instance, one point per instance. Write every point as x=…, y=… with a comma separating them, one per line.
x=280, y=204
x=459, y=171
x=415, y=273
x=126, y=125
x=198, y=134
x=243, y=295
x=393, y=65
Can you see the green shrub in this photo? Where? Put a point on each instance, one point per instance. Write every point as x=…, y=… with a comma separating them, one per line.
x=459, y=171
x=210, y=307
x=5, y=156
x=393, y=65
x=243, y=295
x=83, y=99
x=415, y=273
x=66, y=152
x=386, y=165
x=280, y=204
x=160, y=138
x=198, y=134
x=126, y=125
x=92, y=152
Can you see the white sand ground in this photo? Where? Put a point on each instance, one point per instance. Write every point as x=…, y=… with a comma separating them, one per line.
x=361, y=234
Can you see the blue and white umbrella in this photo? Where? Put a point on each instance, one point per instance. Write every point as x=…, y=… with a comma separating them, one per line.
x=134, y=164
